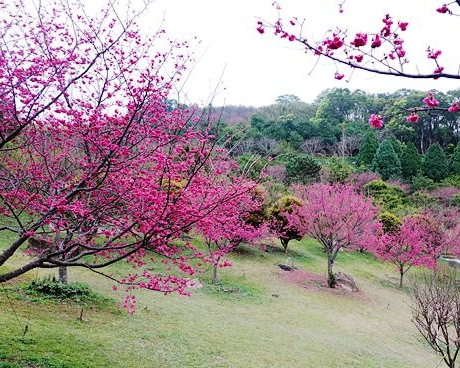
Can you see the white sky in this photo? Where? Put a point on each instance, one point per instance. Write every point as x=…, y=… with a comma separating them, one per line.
x=258, y=68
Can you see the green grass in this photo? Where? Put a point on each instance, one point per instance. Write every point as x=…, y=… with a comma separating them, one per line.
x=255, y=318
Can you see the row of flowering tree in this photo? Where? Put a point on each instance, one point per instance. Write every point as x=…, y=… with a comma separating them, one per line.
x=340, y=218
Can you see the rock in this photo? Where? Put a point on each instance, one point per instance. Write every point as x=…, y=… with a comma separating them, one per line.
x=287, y=267
x=345, y=281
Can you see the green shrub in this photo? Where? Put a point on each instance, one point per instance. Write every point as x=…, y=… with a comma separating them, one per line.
x=423, y=199
x=391, y=223
x=421, y=182
x=339, y=170
x=301, y=168
x=50, y=288
x=388, y=197
x=455, y=201
x=453, y=180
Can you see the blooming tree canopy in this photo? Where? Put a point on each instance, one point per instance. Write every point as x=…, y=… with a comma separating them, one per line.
x=94, y=165
x=419, y=241
x=337, y=217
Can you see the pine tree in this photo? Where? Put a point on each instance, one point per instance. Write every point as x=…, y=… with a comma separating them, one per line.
x=368, y=148
x=386, y=162
x=455, y=161
x=411, y=161
x=397, y=146
x=435, y=165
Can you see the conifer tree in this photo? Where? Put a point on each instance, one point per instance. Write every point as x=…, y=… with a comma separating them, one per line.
x=455, y=161
x=368, y=148
x=386, y=162
x=411, y=161
x=435, y=165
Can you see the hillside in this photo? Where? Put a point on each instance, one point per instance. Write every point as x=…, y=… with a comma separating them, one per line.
x=260, y=316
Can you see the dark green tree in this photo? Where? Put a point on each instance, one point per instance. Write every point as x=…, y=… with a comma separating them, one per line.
x=301, y=168
x=397, y=145
x=386, y=162
x=435, y=165
x=455, y=161
x=411, y=161
x=368, y=149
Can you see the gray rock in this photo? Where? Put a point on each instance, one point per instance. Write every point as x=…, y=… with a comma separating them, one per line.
x=345, y=281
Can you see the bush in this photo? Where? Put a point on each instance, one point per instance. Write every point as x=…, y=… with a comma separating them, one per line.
x=51, y=288
x=455, y=201
x=301, y=168
x=421, y=182
x=453, y=180
x=388, y=197
x=338, y=170
x=391, y=223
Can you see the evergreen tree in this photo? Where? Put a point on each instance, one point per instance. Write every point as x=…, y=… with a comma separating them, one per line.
x=455, y=161
x=301, y=168
x=397, y=145
x=435, y=165
x=411, y=161
x=386, y=162
x=368, y=148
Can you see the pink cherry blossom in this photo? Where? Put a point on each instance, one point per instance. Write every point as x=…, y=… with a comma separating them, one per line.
x=376, y=121
x=454, y=107
x=376, y=42
x=430, y=101
x=412, y=118
x=360, y=40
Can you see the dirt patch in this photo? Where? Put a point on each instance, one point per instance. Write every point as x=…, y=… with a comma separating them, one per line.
x=315, y=282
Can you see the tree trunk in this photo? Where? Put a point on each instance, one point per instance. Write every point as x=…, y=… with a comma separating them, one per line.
x=401, y=276
x=63, y=274
x=284, y=243
x=214, y=274
x=63, y=277
x=330, y=274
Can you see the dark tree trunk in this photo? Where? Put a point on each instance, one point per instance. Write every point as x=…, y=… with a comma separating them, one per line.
x=63, y=274
x=330, y=273
x=401, y=276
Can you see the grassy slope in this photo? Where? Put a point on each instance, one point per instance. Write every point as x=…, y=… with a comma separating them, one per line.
x=268, y=322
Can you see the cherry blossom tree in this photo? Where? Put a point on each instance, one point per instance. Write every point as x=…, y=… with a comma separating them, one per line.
x=235, y=222
x=337, y=217
x=419, y=241
x=95, y=167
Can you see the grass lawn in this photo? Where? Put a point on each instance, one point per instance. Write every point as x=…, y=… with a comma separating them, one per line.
x=260, y=316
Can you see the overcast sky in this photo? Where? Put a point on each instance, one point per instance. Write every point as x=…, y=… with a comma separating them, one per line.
x=256, y=68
